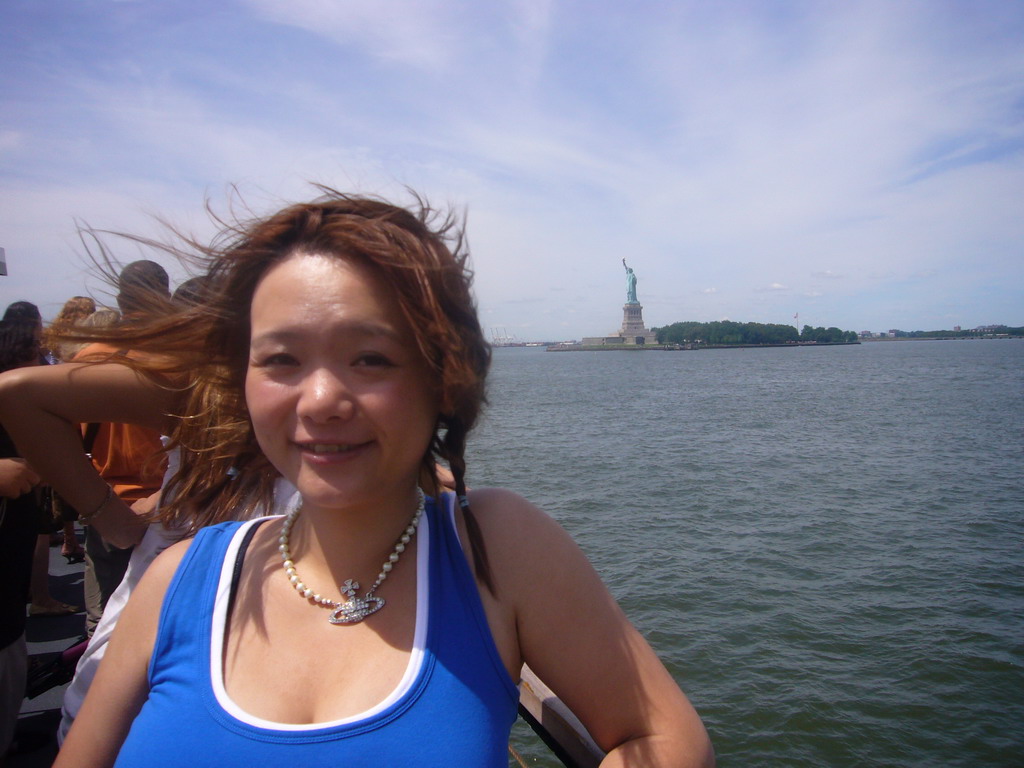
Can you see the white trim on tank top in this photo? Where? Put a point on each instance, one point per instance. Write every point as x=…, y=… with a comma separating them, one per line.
x=412, y=669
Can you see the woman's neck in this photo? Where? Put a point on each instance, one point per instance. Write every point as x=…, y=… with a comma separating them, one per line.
x=350, y=543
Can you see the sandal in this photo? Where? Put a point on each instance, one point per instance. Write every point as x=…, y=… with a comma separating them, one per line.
x=56, y=609
x=76, y=556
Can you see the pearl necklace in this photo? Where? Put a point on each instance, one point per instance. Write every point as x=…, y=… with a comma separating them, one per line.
x=354, y=609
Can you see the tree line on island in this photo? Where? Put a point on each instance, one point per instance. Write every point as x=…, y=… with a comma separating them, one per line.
x=983, y=332
x=724, y=332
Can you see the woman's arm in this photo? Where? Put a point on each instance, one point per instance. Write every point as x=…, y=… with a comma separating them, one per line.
x=577, y=640
x=41, y=408
x=121, y=685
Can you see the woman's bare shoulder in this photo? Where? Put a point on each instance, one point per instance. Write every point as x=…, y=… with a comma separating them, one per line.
x=524, y=544
x=160, y=572
x=508, y=513
x=505, y=511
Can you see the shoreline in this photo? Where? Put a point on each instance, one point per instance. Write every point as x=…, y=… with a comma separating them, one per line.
x=693, y=347
x=944, y=338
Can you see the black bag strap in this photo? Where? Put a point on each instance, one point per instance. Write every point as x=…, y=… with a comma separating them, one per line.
x=91, y=430
x=236, y=574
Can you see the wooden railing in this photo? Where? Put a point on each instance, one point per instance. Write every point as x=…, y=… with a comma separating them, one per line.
x=556, y=725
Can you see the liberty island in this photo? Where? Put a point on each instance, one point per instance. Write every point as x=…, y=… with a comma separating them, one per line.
x=632, y=333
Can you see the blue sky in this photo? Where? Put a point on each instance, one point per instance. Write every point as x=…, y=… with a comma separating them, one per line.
x=860, y=163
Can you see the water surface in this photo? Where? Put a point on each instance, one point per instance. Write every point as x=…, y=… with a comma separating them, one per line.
x=824, y=545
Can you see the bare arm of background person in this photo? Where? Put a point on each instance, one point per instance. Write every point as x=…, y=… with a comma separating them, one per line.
x=41, y=408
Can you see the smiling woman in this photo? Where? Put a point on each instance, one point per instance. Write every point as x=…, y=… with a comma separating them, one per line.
x=339, y=347
x=339, y=395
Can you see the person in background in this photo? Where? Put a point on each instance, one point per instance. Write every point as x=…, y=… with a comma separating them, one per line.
x=128, y=456
x=25, y=311
x=90, y=386
x=103, y=317
x=19, y=513
x=191, y=292
x=74, y=312
x=25, y=320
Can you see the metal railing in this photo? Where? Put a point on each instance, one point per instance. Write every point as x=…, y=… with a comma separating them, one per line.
x=555, y=724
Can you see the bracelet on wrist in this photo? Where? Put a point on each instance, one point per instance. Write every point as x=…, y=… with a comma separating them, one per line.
x=85, y=519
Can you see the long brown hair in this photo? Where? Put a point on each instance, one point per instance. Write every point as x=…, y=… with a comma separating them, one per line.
x=420, y=253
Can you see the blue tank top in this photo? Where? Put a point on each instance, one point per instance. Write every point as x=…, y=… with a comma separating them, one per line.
x=454, y=707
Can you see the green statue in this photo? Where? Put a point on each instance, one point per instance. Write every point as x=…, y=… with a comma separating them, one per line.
x=630, y=285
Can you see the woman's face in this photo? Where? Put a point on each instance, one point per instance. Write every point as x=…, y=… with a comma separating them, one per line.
x=339, y=395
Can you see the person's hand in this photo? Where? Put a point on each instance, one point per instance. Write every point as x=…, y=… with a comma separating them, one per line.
x=16, y=478
x=445, y=478
x=146, y=505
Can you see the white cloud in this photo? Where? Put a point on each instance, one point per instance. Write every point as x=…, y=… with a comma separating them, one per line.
x=872, y=145
x=419, y=34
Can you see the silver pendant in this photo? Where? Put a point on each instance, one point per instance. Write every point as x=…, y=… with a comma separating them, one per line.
x=355, y=609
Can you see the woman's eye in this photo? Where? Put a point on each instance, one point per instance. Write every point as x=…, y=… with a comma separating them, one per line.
x=373, y=359
x=277, y=359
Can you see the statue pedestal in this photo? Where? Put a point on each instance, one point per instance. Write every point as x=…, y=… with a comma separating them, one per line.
x=632, y=319
x=633, y=330
x=631, y=334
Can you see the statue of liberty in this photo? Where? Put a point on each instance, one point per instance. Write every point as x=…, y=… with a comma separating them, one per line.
x=630, y=285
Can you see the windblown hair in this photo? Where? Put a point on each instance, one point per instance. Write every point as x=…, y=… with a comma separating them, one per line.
x=74, y=311
x=419, y=253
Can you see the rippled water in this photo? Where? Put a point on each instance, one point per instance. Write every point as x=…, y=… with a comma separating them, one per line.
x=824, y=545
